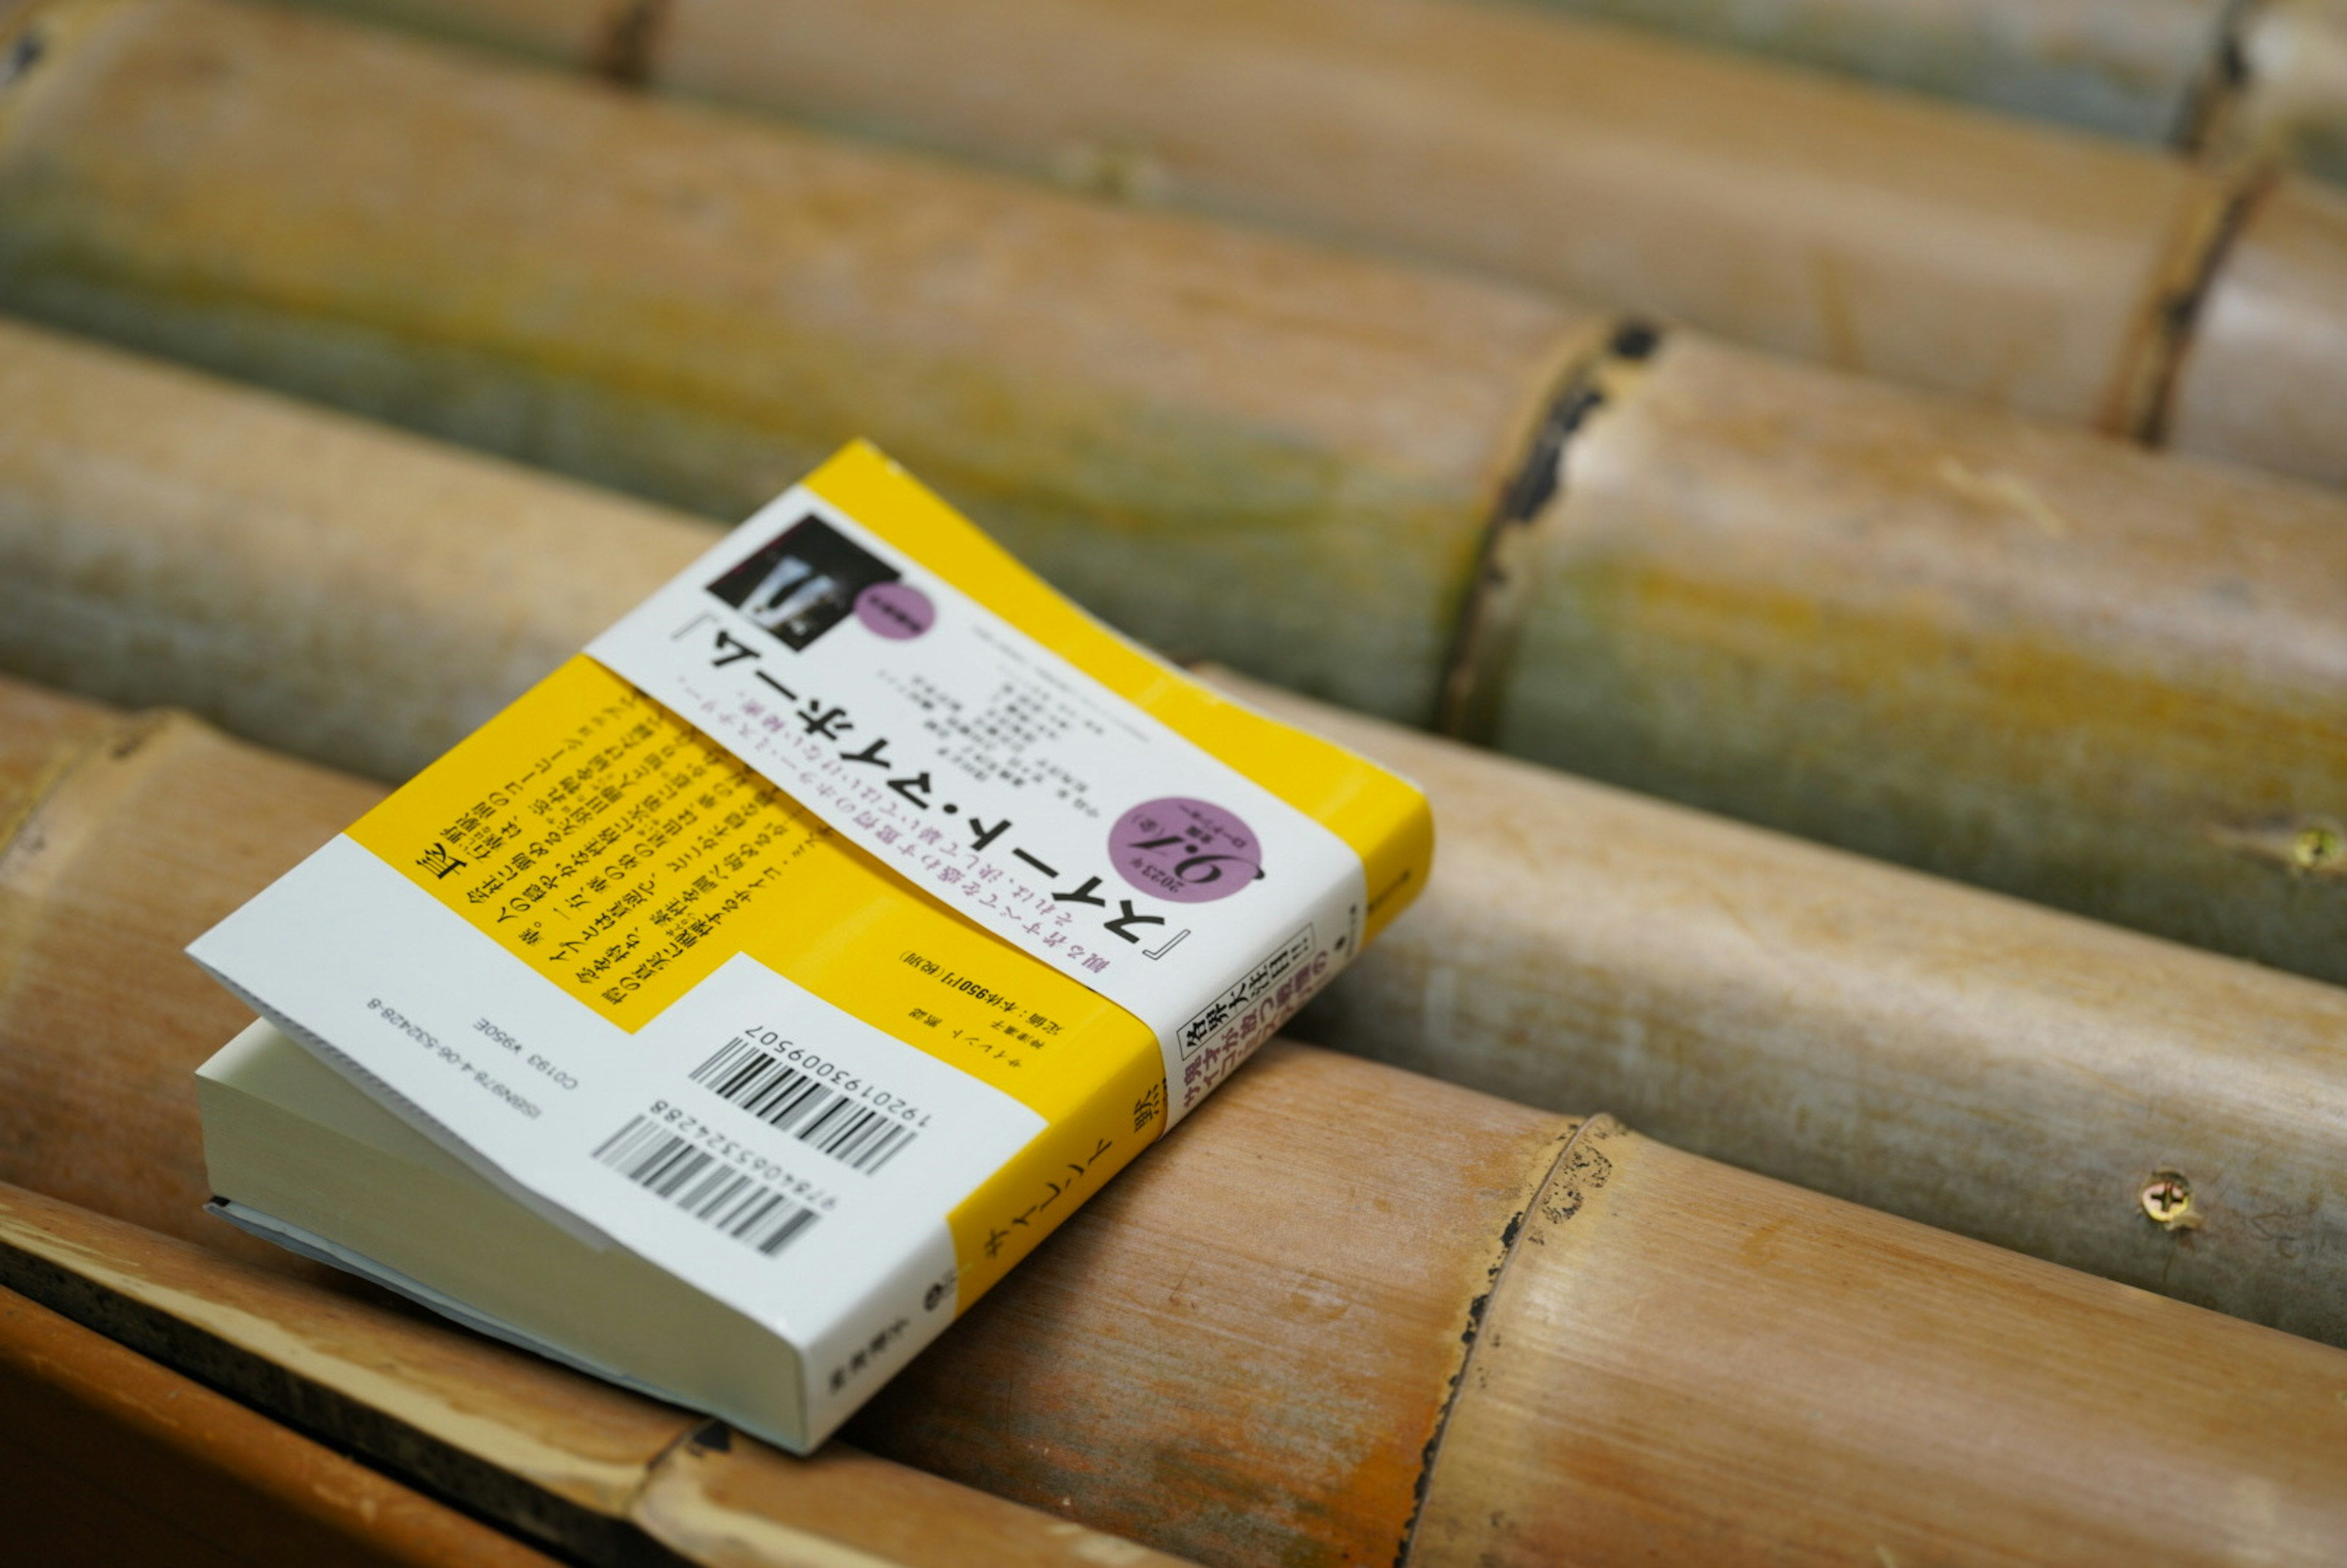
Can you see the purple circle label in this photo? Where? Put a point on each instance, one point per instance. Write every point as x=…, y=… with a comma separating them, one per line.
x=896, y=610
x=1185, y=851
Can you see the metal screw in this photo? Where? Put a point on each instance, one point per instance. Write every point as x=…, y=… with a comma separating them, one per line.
x=2319, y=844
x=2168, y=1201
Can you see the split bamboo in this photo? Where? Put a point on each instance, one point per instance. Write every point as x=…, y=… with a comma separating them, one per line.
x=1985, y=1066
x=590, y=1472
x=1348, y=1314
x=2043, y=271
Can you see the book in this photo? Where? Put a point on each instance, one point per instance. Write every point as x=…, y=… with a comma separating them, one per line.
x=742, y=1001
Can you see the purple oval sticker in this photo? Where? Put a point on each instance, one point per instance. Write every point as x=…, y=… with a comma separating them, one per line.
x=1185, y=851
x=896, y=610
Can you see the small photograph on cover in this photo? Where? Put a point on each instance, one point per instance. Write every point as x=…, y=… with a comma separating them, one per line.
x=805, y=582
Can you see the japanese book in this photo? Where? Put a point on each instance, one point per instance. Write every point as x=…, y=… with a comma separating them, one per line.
x=740, y=1003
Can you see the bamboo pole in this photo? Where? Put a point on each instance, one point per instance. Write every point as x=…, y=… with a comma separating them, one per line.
x=1351, y=1314
x=591, y=1471
x=1740, y=550
x=114, y=1459
x=1992, y=1068
x=2130, y=69
x=2220, y=78
x=2272, y=332
x=2045, y=272
x=2292, y=98
x=693, y=308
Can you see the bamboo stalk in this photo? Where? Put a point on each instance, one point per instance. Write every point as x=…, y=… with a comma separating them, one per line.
x=694, y=308
x=2131, y=68
x=1349, y=1312
x=1211, y=439
x=1956, y=1058
x=594, y=1472
x=2047, y=274
x=1908, y=630
x=2272, y=332
x=114, y=1459
x=2292, y=100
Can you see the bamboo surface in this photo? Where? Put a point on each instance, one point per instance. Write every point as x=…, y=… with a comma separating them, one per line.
x=111, y=1457
x=1346, y=1298
x=2106, y=681
x=2131, y=68
x=2225, y=78
x=2273, y=331
x=1246, y=451
x=680, y=304
x=2047, y=273
x=594, y=1472
x=1956, y=1058
x=1936, y=635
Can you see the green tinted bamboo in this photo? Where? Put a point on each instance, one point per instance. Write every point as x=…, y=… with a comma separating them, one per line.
x=111, y=1457
x=1992, y=1068
x=1349, y=1314
x=2131, y=68
x=2217, y=77
x=2042, y=272
x=700, y=309
x=593, y=1471
x=1742, y=550
x=2108, y=681
x=2292, y=98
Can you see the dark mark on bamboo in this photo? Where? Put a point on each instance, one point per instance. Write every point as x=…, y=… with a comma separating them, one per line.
x=1487, y=621
x=631, y=38
x=22, y=56
x=1476, y=1309
x=2180, y=312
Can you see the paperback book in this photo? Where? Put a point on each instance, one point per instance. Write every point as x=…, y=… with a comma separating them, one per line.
x=743, y=1001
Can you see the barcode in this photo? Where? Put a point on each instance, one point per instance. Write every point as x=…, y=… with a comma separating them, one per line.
x=783, y=1097
x=704, y=1186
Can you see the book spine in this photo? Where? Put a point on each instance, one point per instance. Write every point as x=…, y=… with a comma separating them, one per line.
x=1350, y=1311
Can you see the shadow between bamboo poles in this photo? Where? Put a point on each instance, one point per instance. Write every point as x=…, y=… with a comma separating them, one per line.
x=113, y=1457
x=1995, y=261
x=599, y=1475
x=1970, y=1062
x=1248, y=1347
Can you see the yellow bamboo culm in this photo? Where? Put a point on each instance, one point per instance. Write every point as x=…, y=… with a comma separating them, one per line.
x=1348, y=1313
x=1960, y=1059
x=2043, y=271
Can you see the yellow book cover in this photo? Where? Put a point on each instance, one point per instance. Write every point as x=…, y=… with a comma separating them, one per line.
x=814, y=942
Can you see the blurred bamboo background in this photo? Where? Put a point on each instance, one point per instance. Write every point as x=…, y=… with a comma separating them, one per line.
x=1437, y=359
